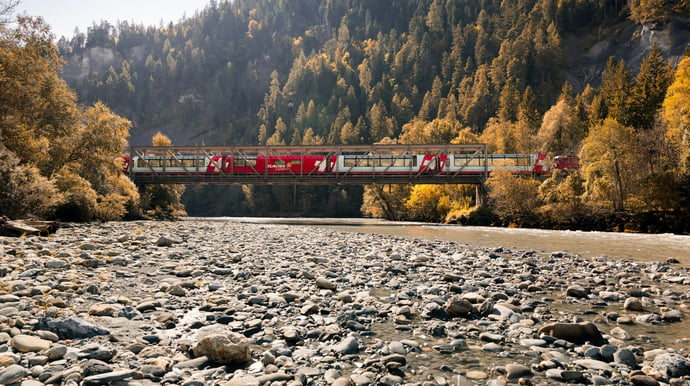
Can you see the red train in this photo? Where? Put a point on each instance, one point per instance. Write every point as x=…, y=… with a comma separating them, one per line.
x=346, y=164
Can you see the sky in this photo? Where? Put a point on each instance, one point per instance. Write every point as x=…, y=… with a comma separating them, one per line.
x=64, y=15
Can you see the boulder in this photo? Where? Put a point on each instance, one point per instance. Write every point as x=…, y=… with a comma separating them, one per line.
x=457, y=306
x=672, y=365
x=223, y=348
x=577, y=333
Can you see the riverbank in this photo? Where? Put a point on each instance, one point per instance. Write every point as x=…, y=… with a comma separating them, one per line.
x=234, y=303
x=654, y=222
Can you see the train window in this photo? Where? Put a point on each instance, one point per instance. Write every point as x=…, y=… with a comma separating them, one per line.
x=190, y=162
x=148, y=163
x=460, y=160
x=278, y=162
x=349, y=162
x=385, y=161
x=295, y=162
x=242, y=161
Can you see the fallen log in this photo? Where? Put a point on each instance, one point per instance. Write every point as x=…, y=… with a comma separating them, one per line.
x=18, y=228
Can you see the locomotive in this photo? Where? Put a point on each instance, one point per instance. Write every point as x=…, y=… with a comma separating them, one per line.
x=360, y=164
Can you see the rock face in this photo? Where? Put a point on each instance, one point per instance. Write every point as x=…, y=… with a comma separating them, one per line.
x=223, y=348
x=579, y=333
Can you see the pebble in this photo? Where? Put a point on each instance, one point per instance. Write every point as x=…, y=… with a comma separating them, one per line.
x=203, y=302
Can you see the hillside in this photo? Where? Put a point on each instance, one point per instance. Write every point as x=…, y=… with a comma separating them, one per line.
x=218, y=76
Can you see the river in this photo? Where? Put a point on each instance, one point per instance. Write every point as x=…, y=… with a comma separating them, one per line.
x=636, y=246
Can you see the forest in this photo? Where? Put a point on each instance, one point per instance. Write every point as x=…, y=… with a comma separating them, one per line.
x=607, y=81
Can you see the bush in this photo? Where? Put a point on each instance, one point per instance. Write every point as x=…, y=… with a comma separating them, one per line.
x=24, y=191
x=80, y=202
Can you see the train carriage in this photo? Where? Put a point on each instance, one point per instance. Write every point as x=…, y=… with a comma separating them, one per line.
x=272, y=165
x=348, y=164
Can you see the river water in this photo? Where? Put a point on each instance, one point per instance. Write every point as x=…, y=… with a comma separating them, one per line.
x=635, y=246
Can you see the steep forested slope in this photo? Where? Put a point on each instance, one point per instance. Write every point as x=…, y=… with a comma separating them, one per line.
x=352, y=71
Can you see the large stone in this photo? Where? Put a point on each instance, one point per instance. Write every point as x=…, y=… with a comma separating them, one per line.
x=633, y=304
x=322, y=282
x=12, y=374
x=577, y=333
x=223, y=348
x=28, y=343
x=626, y=357
x=108, y=378
x=577, y=291
x=104, y=309
x=672, y=365
x=72, y=328
x=516, y=370
x=348, y=345
x=457, y=306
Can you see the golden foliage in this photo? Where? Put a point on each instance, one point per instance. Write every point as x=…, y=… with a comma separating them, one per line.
x=160, y=139
x=511, y=195
x=64, y=154
x=435, y=202
x=676, y=112
x=610, y=164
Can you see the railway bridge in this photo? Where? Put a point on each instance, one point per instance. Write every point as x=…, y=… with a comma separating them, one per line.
x=176, y=167
x=212, y=165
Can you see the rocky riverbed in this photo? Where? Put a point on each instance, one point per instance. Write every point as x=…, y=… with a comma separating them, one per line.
x=215, y=303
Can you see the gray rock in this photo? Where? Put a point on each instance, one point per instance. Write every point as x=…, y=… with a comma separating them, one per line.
x=348, y=345
x=360, y=380
x=243, y=380
x=593, y=364
x=577, y=291
x=672, y=365
x=28, y=343
x=457, y=306
x=95, y=366
x=107, y=378
x=323, y=283
x=72, y=328
x=516, y=370
x=643, y=380
x=165, y=241
x=12, y=374
x=626, y=357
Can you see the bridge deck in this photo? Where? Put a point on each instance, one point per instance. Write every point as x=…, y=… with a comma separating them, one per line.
x=228, y=179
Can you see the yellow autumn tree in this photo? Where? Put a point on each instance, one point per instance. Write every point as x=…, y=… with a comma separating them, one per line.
x=610, y=165
x=59, y=158
x=163, y=201
x=511, y=195
x=676, y=113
